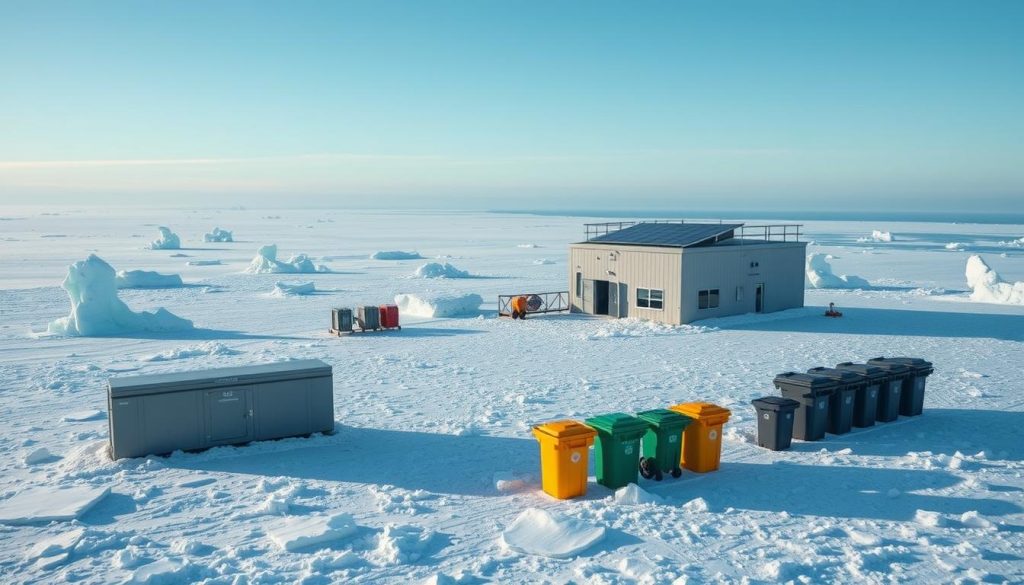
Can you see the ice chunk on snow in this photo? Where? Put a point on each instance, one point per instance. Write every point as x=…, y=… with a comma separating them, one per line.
x=987, y=286
x=56, y=545
x=820, y=275
x=539, y=532
x=40, y=455
x=163, y=572
x=266, y=262
x=956, y=246
x=207, y=348
x=438, y=305
x=877, y=236
x=146, y=279
x=930, y=519
x=633, y=495
x=696, y=506
x=47, y=504
x=976, y=520
x=398, y=544
x=82, y=416
x=543, y=262
x=168, y=240
x=1018, y=243
x=290, y=289
x=439, y=270
x=395, y=255
x=307, y=531
x=507, y=481
x=527, y=246
x=218, y=235
x=96, y=310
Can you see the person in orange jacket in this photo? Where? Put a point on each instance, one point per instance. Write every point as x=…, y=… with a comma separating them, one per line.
x=519, y=307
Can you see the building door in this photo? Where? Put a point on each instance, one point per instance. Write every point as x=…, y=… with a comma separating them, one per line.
x=228, y=415
x=588, y=296
x=623, y=300
x=601, y=297
x=759, y=298
x=613, y=299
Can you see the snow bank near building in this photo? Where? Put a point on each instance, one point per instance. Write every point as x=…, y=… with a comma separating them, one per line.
x=395, y=255
x=291, y=289
x=96, y=310
x=988, y=287
x=820, y=275
x=146, y=279
x=540, y=532
x=218, y=235
x=168, y=240
x=440, y=270
x=438, y=305
x=266, y=262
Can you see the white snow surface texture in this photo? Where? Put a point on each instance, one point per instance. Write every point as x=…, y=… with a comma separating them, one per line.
x=96, y=310
x=988, y=287
x=168, y=240
x=266, y=262
x=218, y=235
x=820, y=275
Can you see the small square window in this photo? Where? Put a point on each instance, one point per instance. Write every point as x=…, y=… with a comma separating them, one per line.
x=707, y=299
x=650, y=298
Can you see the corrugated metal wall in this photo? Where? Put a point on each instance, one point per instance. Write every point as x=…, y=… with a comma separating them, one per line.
x=634, y=266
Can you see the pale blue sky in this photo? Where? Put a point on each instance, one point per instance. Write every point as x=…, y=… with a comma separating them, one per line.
x=657, y=105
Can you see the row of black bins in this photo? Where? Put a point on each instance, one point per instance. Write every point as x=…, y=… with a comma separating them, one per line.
x=835, y=399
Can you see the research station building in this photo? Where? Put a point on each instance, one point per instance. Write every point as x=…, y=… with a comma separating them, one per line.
x=678, y=272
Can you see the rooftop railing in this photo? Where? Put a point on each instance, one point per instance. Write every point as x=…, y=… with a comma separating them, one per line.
x=782, y=232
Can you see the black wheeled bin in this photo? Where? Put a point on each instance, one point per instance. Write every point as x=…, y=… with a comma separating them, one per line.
x=891, y=390
x=912, y=397
x=841, y=406
x=813, y=393
x=865, y=404
x=775, y=422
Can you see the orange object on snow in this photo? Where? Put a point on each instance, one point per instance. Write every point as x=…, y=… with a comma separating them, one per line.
x=519, y=307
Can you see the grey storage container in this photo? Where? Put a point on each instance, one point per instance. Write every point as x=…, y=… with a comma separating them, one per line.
x=341, y=320
x=369, y=317
x=841, y=407
x=813, y=393
x=160, y=413
x=865, y=405
x=912, y=396
x=775, y=422
x=890, y=396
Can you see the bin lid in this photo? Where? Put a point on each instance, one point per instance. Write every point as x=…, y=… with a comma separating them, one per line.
x=703, y=411
x=843, y=377
x=922, y=367
x=126, y=386
x=891, y=368
x=617, y=422
x=873, y=372
x=660, y=417
x=564, y=429
x=812, y=382
x=776, y=403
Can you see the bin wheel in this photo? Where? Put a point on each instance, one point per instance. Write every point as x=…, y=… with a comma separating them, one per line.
x=657, y=475
x=647, y=468
x=676, y=472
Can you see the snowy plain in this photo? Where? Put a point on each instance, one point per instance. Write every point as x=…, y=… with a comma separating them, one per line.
x=432, y=458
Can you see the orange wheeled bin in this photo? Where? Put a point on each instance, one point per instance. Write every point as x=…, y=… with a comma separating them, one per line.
x=702, y=439
x=564, y=446
x=389, y=317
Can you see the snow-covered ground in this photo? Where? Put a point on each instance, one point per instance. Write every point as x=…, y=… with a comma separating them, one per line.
x=433, y=464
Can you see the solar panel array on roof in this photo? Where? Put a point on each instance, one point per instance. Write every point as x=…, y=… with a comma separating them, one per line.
x=676, y=235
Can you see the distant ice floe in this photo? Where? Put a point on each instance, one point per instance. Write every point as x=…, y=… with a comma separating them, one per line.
x=218, y=235
x=395, y=255
x=987, y=286
x=293, y=289
x=527, y=246
x=147, y=279
x=543, y=262
x=1018, y=243
x=956, y=246
x=96, y=310
x=544, y=533
x=427, y=305
x=877, y=236
x=820, y=275
x=266, y=262
x=204, y=263
x=168, y=240
x=440, y=270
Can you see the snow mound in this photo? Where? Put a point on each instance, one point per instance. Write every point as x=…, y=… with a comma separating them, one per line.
x=395, y=255
x=399, y=544
x=956, y=246
x=203, y=349
x=988, y=287
x=37, y=456
x=146, y=279
x=266, y=262
x=218, y=235
x=55, y=545
x=543, y=262
x=877, y=236
x=640, y=328
x=633, y=495
x=168, y=240
x=46, y=504
x=162, y=572
x=292, y=289
x=304, y=532
x=439, y=270
x=539, y=532
x=438, y=305
x=820, y=275
x=95, y=309
x=82, y=416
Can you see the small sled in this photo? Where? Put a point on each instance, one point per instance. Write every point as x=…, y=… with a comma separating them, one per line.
x=832, y=312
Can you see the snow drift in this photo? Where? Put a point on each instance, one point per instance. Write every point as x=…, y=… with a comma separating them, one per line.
x=395, y=255
x=218, y=235
x=440, y=270
x=168, y=240
x=820, y=275
x=292, y=289
x=266, y=262
x=438, y=305
x=540, y=532
x=988, y=287
x=146, y=279
x=96, y=310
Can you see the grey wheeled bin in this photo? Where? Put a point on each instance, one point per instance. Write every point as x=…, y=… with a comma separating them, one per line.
x=813, y=394
x=912, y=397
x=368, y=318
x=865, y=403
x=841, y=406
x=775, y=422
x=341, y=320
x=892, y=389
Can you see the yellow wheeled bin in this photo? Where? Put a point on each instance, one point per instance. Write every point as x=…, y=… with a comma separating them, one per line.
x=564, y=446
x=702, y=440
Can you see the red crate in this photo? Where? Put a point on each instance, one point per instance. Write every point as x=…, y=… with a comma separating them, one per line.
x=389, y=316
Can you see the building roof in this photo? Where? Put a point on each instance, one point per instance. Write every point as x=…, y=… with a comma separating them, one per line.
x=674, y=235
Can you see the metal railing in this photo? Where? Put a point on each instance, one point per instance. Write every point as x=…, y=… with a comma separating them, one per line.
x=548, y=302
x=783, y=232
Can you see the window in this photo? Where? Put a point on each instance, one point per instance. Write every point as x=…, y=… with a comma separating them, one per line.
x=650, y=298
x=707, y=299
x=579, y=284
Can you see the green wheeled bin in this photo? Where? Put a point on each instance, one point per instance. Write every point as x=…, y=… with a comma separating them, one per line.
x=617, y=448
x=662, y=442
